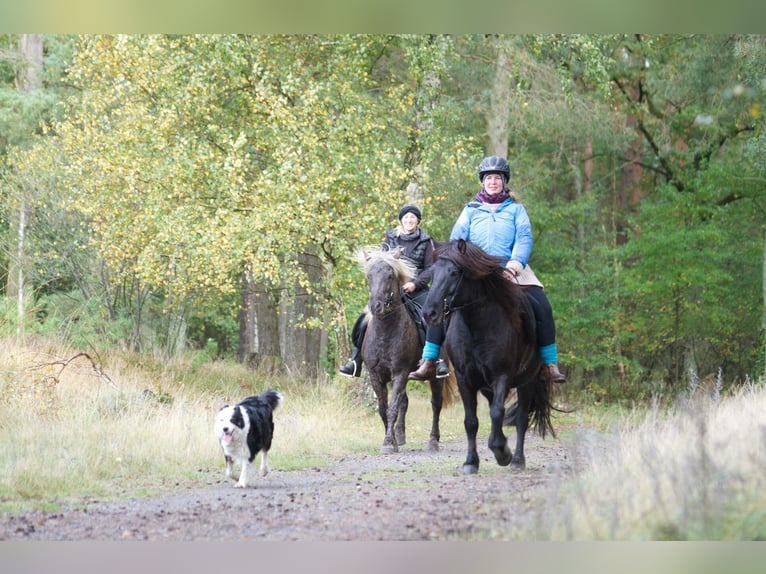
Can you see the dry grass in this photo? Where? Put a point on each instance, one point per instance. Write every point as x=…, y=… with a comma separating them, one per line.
x=126, y=427
x=696, y=472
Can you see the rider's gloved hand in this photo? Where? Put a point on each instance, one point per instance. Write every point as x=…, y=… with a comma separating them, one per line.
x=514, y=267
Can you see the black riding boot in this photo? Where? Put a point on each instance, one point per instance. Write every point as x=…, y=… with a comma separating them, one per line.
x=354, y=366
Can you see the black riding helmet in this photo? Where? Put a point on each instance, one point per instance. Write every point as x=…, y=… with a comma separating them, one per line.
x=494, y=164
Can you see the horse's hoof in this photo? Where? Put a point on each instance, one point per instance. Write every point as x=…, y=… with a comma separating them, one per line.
x=518, y=464
x=504, y=458
x=433, y=445
x=470, y=469
x=389, y=449
x=401, y=439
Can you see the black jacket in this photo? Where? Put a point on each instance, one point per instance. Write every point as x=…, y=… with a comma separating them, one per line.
x=418, y=247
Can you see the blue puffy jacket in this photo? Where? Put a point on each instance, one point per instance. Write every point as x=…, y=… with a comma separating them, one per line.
x=504, y=231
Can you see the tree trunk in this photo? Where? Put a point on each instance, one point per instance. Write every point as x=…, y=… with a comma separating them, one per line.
x=247, y=343
x=16, y=279
x=28, y=79
x=631, y=173
x=29, y=76
x=499, y=101
x=302, y=343
x=267, y=334
x=427, y=98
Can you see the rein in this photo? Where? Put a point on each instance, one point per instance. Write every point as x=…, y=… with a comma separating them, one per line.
x=388, y=305
x=448, y=306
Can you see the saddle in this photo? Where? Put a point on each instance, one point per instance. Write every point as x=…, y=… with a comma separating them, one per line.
x=415, y=311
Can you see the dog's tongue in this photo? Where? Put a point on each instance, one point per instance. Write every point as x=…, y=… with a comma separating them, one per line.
x=227, y=438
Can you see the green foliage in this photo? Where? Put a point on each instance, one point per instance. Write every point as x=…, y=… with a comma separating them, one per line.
x=216, y=151
x=178, y=161
x=579, y=59
x=670, y=280
x=22, y=115
x=205, y=355
x=83, y=323
x=215, y=323
x=690, y=278
x=8, y=316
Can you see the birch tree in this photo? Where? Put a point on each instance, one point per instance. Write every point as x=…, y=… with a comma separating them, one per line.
x=28, y=79
x=198, y=157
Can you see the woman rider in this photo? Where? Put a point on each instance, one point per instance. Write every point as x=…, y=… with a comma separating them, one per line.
x=499, y=224
x=417, y=246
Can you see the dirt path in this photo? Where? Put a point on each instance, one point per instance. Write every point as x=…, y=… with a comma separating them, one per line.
x=411, y=495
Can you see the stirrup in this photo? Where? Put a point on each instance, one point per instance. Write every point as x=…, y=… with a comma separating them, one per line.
x=351, y=369
x=442, y=369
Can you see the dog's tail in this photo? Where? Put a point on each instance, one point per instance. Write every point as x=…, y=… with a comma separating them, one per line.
x=273, y=398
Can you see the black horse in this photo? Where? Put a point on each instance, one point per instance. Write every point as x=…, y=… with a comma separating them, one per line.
x=491, y=345
x=392, y=347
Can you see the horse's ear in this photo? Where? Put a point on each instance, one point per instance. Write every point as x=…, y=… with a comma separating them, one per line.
x=397, y=253
x=461, y=246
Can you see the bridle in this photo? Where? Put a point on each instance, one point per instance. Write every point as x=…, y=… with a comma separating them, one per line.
x=447, y=302
x=448, y=305
x=388, y=305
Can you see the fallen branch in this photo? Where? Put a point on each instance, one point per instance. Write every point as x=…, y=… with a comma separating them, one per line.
x=65, y=363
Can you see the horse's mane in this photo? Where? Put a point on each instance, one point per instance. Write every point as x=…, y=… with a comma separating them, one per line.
x=478, y=264
x=367, y=257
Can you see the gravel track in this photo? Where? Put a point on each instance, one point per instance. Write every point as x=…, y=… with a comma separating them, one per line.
x=412, y=495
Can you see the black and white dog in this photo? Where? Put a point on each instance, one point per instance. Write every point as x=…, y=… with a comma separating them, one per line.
x=246, y=429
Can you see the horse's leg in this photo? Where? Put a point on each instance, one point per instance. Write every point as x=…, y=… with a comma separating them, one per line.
x=381, y=395
x=498, y=442
x=524, y=401
x=397, y=392
x=400, y=432
x=471, y=424
x=437, y=397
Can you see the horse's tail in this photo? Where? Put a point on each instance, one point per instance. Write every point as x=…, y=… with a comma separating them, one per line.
x=540, y=410
x=449, y=391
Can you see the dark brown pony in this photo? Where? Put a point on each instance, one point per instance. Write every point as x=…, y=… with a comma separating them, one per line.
x=392, y=347
x=491, y=345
